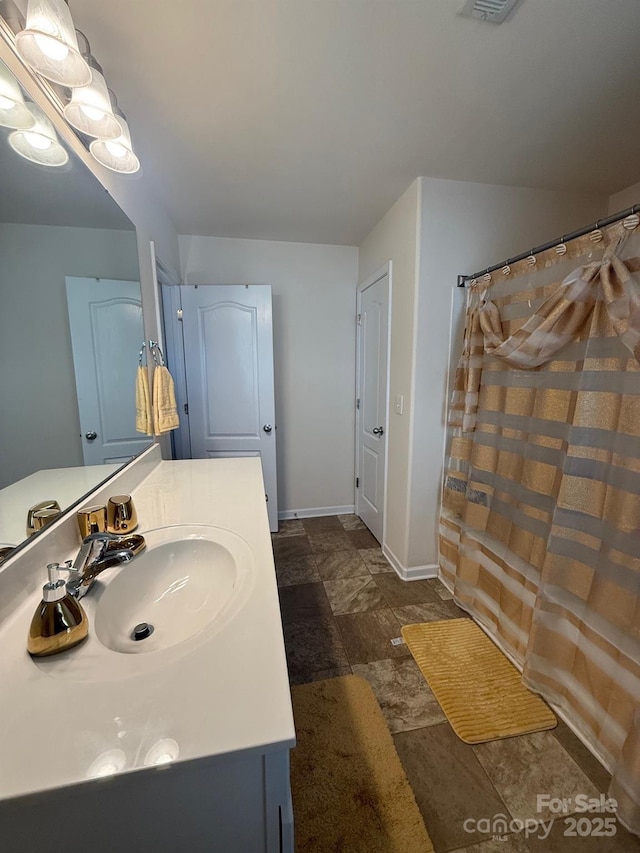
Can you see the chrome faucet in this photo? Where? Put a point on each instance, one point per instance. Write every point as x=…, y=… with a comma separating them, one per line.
x=96, y=554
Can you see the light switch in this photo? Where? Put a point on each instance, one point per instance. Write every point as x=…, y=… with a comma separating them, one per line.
x=399, y=404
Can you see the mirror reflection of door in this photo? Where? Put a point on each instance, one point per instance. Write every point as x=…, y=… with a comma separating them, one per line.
x=105, y=318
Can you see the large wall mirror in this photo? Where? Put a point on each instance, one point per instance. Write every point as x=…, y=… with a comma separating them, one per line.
x=70, y=327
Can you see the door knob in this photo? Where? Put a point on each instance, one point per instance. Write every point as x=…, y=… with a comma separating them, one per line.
x=91, y=436
x=267, y=427
x=378, y=430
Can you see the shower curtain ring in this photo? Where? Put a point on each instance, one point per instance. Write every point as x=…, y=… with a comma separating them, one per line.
x=596, y=235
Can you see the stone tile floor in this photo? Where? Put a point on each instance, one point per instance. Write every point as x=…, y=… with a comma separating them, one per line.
x=341, y=605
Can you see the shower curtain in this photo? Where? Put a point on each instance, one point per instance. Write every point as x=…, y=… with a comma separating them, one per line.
x=540, y=523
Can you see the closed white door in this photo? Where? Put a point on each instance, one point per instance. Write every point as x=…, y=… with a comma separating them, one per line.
x=371, y=414
x=228, y=347
x=105, y=317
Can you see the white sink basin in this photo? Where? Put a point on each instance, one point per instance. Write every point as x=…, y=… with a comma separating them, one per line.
x=186, y=584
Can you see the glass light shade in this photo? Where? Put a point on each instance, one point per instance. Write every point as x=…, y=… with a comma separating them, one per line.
x=39, y=143
x=13, y=110
x=49, y=45
x=89, y=109
x=116, y=154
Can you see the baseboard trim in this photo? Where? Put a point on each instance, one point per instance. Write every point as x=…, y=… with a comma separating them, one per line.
x=429, y=570
x=315, y=512
x=410, y=573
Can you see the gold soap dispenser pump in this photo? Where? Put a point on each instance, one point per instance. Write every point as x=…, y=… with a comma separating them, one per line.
x=60, y=622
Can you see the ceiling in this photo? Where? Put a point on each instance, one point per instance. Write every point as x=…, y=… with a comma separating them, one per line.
x=306, y=119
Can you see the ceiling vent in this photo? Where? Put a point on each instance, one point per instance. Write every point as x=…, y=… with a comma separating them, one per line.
x=493, y=11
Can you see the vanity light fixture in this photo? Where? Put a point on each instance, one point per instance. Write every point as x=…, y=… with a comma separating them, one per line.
x=90, y=110
x=107, y=764
x=163, y=751
x=48, y=44
x=117, y=154
x=13, y=110
x=52, y=47
x=39, y=143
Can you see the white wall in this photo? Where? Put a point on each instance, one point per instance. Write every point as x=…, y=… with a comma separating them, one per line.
x=395, y=239
x=437, y=230
x=314, y=297
x=625, y=198
x=40, y=425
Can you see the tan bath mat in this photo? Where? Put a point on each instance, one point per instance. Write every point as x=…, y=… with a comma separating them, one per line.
x=478, y=688
x=349, y=790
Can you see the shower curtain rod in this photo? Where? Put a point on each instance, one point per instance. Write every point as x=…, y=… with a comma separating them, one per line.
x=601, y=223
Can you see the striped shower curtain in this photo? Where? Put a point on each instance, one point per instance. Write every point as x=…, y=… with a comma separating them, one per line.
x=540, y=524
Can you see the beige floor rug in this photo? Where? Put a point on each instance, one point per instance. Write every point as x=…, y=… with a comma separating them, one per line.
x=477, y=686
x=350, y=793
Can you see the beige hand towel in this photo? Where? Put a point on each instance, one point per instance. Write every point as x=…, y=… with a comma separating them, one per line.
x=165, y=413
x=144, y=420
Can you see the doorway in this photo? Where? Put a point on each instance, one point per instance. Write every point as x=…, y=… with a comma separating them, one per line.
x=225, y=385
x=372, y=403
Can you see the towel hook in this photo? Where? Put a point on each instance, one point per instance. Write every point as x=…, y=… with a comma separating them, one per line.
x=141, y=353
x=155, y=348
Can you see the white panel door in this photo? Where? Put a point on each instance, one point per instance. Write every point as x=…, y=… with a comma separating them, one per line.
x=105, y=317
x=371, y=420
x=228, y=346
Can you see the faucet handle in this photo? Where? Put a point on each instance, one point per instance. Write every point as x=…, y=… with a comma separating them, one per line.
x=56, y=568
x=101, y=536
x=92, y=546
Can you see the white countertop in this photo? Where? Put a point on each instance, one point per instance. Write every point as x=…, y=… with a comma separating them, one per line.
x=64, y=485
x=58, y=723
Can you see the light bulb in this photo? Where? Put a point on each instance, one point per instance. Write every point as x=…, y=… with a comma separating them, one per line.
x=107, y=763
x=52, y=48
x=116, y=154
x=116, y=148
x=162, y=752
x=36, y=140
x=92, y=112
x=107, y=770
x=48, y=44
x=6, y=103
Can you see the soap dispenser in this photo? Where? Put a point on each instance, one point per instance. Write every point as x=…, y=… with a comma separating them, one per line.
x=59, y=623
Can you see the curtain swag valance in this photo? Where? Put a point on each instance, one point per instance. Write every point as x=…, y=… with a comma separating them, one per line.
x=555, y=323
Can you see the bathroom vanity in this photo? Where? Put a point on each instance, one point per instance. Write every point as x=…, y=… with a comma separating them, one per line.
x=182, y=744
